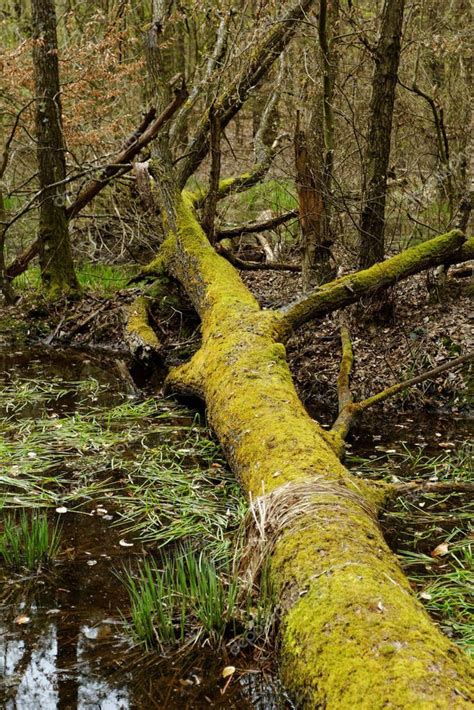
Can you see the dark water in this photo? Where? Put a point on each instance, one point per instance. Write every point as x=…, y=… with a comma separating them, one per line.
x=63, y=643
x=73, y=650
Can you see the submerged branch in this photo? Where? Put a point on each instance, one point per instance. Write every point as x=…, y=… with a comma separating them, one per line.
x=434, y=487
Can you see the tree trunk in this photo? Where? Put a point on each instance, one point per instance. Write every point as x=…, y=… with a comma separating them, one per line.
x=57, y=268
x=314, y=158
x=310, y=185
x=352, y=633
x=372, y=220
x=5, y=285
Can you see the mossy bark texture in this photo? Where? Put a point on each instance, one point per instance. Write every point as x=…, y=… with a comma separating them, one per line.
x=352, y=634
x=139, y=335
x=57, y=269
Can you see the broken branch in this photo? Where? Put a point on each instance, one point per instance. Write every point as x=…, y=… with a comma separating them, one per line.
x=350, y=411
x=256, y=227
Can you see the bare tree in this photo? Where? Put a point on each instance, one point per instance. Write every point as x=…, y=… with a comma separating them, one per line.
x=384, y=81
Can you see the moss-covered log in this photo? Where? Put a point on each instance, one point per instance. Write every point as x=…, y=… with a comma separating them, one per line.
x=353, y=634
x=352, y=287
x=140, y=337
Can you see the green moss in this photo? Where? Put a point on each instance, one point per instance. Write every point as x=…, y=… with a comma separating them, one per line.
x=353, y=632
x=138, y=327
x=345, y=602
x=348, y=289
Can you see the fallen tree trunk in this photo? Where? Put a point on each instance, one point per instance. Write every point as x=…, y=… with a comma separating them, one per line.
x=352, y=633
x=352, y=287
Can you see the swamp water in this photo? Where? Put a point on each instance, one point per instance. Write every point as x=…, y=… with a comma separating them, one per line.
x=119, y=477
x=132, y=476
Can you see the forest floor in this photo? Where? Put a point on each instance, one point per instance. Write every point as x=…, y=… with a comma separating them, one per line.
x=423, y=334
x=144, y=440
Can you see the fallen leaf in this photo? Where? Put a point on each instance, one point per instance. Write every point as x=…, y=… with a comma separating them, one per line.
x=124, y=543
x=227, y=671
x=440, y=550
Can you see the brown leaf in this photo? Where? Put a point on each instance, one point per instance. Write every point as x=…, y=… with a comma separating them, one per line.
x=440, y=550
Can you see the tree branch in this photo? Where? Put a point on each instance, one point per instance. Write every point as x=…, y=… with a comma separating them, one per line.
x=210, y=206
x=349, y=289
x=130, y=150
x=344, y=392
x=256, y=227
x=243, y=182
x=350, y=411
x=144, y=134
x=234, y=97
x=213, y=65
x=255, y=265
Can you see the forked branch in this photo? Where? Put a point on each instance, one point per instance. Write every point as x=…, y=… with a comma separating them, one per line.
x=349, y=410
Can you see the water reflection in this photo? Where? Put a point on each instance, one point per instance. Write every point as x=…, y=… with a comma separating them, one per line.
x=72, y=653
x=35, y=675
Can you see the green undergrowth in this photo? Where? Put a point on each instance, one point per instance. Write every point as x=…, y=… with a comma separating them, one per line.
x=20, y=394
x=409, y=463
x=277, y=195
x=188, y=599
x=431, y=530
x=100, y=279
x=155, y=465
x=445, y=584
x=163, y=478
x=28, y=540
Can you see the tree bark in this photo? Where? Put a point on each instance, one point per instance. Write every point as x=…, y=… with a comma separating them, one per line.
x=57, y=268
x=314, y=158
x=352, y=633
x=387, y=57
x=310, y=185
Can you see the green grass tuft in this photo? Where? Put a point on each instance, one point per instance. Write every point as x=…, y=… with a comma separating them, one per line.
x=100, y=279
x=188, y=599
x=446, y=588
x=28, y=541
